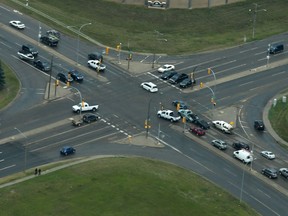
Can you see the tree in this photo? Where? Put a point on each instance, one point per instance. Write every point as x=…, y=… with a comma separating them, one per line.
x=2, y=78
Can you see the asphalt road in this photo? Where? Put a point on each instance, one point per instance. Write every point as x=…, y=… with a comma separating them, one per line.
x=45, y=126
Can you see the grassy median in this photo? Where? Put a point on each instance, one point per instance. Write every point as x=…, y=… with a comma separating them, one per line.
x=278, y=116
x=120, y=186
x=11, y=88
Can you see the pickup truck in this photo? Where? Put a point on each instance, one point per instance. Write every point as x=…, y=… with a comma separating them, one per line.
x=168, y=114
x=223, y=126
x=83, y=107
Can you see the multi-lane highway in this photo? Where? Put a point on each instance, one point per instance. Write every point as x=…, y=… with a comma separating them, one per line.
x=33, y=129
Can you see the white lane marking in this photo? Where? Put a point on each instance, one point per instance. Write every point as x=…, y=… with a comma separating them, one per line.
x=5, y=8
x=247, y=83
x=6, y=45
x=1, y=160
x=279, y=73
x=264, y=193
x=8, y=167
x=233, y=174
x=248, y=50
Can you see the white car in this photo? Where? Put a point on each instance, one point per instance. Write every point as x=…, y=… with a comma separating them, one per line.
x=283, y=172
x=268, y=155
x=17, y=24
x=97, y=65
x=166, y=67
x=149, y=86
x=24, y=55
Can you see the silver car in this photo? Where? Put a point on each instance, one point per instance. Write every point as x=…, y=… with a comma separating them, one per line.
x=220, y=144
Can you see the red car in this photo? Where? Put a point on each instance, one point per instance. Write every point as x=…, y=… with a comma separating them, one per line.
x=197, y=131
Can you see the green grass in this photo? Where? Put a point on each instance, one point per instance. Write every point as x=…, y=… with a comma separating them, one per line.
x=278, y=117
x=11, y=88
x=186, y=30
x=120, y=186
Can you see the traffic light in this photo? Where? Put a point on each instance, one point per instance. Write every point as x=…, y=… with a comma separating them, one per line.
x=107, y=50
x=68, y=84
x=184, y=120
x=178, y=106
x=209, y=71
x=57, y=82
x=146, y=124
x=82, y=103
x=201, y=84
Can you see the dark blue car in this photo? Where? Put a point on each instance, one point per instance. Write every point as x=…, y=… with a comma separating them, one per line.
x=67, y=150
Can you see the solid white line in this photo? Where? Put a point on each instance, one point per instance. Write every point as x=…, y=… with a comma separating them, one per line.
x=5, y=8
x=264, y=205
x=1, y=160
x=6, y=45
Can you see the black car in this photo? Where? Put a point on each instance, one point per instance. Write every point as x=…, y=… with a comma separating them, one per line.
x=275, y=48
x=64, y=77
x=269, y=172
x=95, y=56
x=186, y=83
x=168, y=74
x=67, y=150
x=177, y=78
x=88, y=118
x=182, y=104
x=49, y=40
x=202, y=124
x=259, y=125
x=29, y=48
x=240, y=145
x=44, y=66
x=76, y=75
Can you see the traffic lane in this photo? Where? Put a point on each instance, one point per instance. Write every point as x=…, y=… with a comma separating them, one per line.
x=228, y=176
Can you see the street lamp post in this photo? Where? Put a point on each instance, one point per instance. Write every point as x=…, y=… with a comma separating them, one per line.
x=25, y=148
x=254, y=18
x=79, y=31
x=80, y=98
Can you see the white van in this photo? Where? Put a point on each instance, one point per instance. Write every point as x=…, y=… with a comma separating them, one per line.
x=243, y=155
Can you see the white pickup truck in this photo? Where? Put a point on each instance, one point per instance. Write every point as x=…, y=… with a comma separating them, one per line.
x=223, y=126
x=168, y=114
x=84, y=107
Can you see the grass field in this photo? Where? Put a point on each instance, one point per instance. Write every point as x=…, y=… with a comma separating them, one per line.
x=186, y=31
x=120, y=186
x=12, y=86
x=278, y=117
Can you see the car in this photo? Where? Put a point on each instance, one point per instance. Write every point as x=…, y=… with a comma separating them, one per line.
x=156, y=4
x=41, y=65
x=149, y=86
x=275, y=48
x=53, y=33
x=220, y=144
x=76, y=75
x=95, y=56
x=17, y=24
x=268, y=155
x=166, y=67
x=64, y=77
x=177, y=78
x=243, y=155
x=186, y=83
x=188, y=115
x=49, y=40
x=259, y=125
x=167, y=75
x=197, y=131
x=30, y=48
x=89, y=117
x=240, y=145
x=269, y=172
x=182, y=104
x=96, y=64
x=283, y=172
x=67, y=150
x=202, y=124
x=24, y=55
